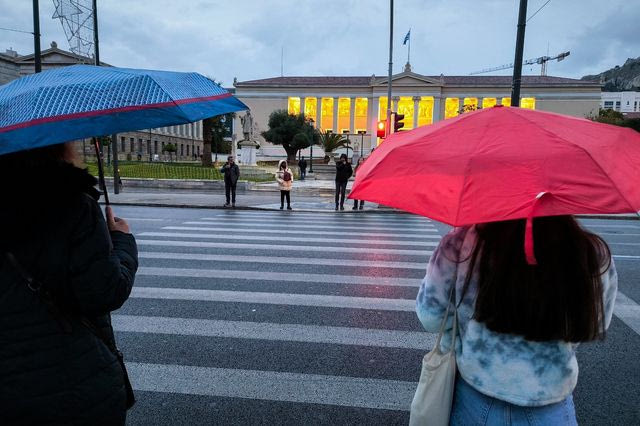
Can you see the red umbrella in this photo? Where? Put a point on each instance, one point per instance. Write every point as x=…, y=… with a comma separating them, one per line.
x=505, y=163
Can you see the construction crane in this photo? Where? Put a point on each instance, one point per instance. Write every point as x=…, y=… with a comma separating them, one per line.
x=542, y=60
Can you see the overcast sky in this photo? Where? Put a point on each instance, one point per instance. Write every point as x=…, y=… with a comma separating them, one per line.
x=243, y=38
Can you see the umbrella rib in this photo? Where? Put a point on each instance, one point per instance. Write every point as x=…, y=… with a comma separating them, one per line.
x=590, y=156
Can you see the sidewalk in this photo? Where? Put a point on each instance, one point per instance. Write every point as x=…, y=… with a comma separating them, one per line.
x=245, y=200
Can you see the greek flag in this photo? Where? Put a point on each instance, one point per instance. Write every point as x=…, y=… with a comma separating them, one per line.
x=406, y=38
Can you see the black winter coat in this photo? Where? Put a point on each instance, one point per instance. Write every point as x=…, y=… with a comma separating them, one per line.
x=231, y=173
x=343, y=171
x=49, y=376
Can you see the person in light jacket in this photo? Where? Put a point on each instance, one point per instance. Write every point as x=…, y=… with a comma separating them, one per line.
x=284, y=177
x=518, y=324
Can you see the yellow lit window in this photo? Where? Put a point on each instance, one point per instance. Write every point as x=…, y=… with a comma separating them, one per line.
x=489, y=102
x=405, y=106
x=294, y=105
x=326, y=118
x=382, y=108
x=529, y=103
x=506, y=101
x=451, y=107
x=360, y=123
x=310, y=108
x=344, y=104
x=425, y=111
x=470, y=104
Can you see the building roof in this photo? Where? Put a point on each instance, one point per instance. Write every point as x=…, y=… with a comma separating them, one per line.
x=466, y=80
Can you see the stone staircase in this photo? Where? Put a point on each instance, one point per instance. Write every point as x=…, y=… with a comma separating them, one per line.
x=323, y=171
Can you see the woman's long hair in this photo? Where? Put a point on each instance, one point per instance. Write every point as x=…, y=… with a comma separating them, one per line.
x=558, y=299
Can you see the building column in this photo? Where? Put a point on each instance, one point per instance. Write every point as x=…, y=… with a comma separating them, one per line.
x=460, y=104
x=374, y=106
x=352, y=115
x=416, y=110
x=438, y=106
x=394, y=103
x=480, y=102
x=335, y=115
x=318, y=113
x=302, y=105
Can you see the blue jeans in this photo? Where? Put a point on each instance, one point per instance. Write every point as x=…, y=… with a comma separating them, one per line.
x=471, y=407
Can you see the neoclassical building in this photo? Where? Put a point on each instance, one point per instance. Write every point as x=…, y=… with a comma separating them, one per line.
x=353, y=105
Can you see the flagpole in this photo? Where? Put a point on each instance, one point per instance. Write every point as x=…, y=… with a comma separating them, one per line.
x=409, y=51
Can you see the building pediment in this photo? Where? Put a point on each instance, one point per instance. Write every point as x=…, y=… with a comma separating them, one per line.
x=409, y=79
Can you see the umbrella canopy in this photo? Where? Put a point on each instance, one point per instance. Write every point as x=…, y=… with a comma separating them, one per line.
x=81, y=101
x=505, y=163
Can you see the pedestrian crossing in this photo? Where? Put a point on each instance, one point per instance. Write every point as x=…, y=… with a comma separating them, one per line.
x=312, y=311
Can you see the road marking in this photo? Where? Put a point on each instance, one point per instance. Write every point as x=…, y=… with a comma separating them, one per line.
x=129, y=219
x=341, y=217
x=282, y=247
x=628, y=311
x=340, y=223
x=619, y=234
x=278, y=276
x=283, y=260
x=284, y=238
x=273, y=386
x=595, y=225
x=275, y=332
x=289, y=225
x=623, y=244
x=327, y=301
x=625, y=257
x=226, y=230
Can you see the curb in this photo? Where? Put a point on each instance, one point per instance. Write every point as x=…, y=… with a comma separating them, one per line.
x=191, y=206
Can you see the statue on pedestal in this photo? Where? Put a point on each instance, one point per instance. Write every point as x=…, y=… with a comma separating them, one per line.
x=248, y=145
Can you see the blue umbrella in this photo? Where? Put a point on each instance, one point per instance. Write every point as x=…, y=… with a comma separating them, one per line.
x=82, y=101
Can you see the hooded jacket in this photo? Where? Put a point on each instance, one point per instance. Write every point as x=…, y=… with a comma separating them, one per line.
x=282, y=184
x=56, y=230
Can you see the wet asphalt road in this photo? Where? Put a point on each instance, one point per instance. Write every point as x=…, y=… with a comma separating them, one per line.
x=245, y=317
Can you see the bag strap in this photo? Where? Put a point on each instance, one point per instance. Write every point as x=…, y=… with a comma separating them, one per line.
x=36, y=287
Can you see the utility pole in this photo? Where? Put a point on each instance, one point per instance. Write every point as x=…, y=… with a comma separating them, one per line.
x=388, y=126
x=96, y=44
x=36, y=36
x=517, y=63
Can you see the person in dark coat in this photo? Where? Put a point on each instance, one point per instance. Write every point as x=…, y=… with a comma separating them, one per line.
x=343, y=173
x=55, y=230
x=355, y=202
x=231, y=173
x=302, y=165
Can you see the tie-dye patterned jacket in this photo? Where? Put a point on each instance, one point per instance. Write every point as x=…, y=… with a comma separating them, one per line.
x=503, y=366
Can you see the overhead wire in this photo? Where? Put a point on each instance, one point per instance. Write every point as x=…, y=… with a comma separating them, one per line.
x=536, y=12
x=17, y=31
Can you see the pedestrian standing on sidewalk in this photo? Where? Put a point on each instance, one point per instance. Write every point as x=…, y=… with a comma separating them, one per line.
x=355, y=202
x=62, y=274
x=518, y=325
x=231, y=173
x=284, y=177
x=302, y=165
x=343, y=173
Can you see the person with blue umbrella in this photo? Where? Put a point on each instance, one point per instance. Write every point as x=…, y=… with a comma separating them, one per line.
x=64, y=267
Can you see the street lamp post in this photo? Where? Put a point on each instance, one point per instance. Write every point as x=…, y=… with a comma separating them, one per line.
x=346, y=133
x=362, y=133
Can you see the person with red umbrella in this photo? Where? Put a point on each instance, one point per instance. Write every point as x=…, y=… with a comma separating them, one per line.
x=506, y=178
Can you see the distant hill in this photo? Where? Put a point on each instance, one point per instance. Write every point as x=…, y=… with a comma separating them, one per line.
x=620, y=78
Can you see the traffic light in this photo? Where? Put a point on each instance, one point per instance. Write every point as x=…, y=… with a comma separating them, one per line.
x=382, y=129
x=397, y=122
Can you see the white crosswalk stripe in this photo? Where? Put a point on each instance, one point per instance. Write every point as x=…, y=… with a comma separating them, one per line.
x=288, y=238
x=311, y=225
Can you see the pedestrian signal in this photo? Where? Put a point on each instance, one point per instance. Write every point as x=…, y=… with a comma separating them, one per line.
x=397, y=122
x=382, y=129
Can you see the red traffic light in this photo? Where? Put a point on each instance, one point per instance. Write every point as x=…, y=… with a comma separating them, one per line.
x=397, y=122
x=381, y=129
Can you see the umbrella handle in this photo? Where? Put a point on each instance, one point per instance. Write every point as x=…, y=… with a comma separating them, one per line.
x=101, y=182
x=528, y=233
